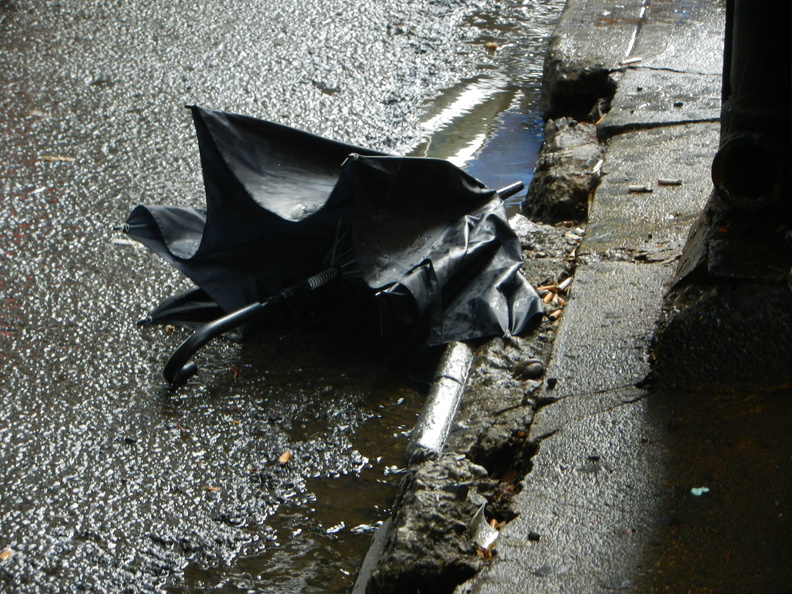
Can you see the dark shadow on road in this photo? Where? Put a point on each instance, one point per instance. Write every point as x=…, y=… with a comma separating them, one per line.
x=725, y=507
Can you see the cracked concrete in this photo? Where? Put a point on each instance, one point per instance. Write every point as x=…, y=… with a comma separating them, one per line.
x=607, y=328
x=585, y=476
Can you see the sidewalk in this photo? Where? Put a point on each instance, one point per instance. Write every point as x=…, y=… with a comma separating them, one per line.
x=632, y=489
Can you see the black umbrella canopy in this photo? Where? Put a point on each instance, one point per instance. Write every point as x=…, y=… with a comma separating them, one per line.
x=435, y=243
x=429, y=243
x=271, y=213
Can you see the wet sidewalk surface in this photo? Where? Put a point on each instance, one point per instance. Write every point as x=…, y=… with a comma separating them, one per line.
x=633, y=489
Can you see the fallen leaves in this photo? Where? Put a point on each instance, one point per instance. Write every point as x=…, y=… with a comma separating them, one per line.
x=6, y=555
x=284, y=457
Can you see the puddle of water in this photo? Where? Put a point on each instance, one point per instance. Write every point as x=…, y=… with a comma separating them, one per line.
x=510, y=154
x=491, y=125
x=490, y=128
x=345, y=422
x=459, y=124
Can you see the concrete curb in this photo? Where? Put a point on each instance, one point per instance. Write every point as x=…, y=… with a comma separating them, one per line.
x=594, y=485
x=428, y=436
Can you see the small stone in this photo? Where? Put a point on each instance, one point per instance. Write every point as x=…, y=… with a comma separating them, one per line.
x=532, y=369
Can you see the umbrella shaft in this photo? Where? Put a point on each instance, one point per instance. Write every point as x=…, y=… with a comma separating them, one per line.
x=324, y=277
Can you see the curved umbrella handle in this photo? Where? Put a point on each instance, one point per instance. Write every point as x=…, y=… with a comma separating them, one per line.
x=179, y=368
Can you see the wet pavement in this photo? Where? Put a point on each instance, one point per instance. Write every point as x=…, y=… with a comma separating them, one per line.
x=110, y=479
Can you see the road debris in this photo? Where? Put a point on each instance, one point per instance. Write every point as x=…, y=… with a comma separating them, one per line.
x=55, y=158
x=484, y=535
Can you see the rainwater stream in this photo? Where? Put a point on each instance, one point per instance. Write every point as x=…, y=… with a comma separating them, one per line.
x=110, y=478
x=491, y=124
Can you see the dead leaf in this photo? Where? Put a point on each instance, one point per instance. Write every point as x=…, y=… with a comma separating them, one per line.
x=213, y=489
x=6, y=555
x=285, y=457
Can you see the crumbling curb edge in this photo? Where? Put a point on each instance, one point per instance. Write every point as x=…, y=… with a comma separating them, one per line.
x=428, y=436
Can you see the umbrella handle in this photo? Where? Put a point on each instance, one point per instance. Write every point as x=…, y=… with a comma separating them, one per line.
x=179, y=368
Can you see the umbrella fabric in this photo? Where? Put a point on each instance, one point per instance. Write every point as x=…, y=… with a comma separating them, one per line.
x=270, y=219
x=436, y=244
x=428, y=242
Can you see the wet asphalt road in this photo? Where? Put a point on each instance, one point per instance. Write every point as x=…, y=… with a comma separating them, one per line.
x=109, y=479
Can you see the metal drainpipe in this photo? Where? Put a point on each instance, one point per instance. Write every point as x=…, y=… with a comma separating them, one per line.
x=751, y=169
x=437, y=416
